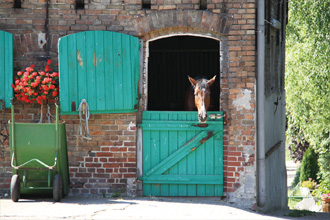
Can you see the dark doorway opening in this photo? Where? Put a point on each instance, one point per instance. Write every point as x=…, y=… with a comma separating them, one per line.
x=171, y=60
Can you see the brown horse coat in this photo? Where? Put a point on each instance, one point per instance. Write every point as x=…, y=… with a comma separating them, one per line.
x=201, y=95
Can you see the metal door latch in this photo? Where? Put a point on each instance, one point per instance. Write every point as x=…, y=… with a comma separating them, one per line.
x=216, y=116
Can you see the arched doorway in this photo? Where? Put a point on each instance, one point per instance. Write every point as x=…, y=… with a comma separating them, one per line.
x=171, y=60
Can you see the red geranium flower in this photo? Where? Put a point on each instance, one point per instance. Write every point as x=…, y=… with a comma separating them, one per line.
x=27, y=87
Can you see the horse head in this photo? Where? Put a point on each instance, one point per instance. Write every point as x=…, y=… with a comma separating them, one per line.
x=202, y=96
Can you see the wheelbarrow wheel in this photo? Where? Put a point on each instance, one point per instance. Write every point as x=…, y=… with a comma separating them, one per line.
x=57, y=188
x=15, y=188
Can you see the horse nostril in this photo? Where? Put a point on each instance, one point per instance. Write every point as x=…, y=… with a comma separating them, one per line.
x=202, y=119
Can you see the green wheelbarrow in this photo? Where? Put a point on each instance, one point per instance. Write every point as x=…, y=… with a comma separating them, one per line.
x=39, y=159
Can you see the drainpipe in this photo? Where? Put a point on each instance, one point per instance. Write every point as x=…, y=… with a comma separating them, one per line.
x=46, y=27
x=261, y=165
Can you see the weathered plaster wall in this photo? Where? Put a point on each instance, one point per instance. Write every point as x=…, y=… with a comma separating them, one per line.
x=274, y=109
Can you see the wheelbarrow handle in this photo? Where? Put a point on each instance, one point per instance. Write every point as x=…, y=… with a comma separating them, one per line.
x=36, y=160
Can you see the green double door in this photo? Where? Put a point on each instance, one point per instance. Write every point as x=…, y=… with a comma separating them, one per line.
x=182, y=157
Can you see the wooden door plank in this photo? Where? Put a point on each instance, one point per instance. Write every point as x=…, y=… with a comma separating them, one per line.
x=201, y=169
x=164, y=152
x=184, y=179
x=63, y=69
x=91, y=82
x=147, y=160
x=182, y=164
x=209, y=165
x=193, y=116
x=108, y=71
x=173, y=146
x=6, y=68
x=180, y=125
x=81, y=64
x=99, y=63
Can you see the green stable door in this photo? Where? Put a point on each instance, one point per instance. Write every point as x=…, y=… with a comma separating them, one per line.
x=101, y=67
x=182, y=157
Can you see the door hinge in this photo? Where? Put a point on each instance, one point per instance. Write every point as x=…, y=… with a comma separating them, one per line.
x=216, y=116
x=219, y=116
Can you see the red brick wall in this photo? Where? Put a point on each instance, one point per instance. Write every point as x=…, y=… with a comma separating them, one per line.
x=100, y=165
x=104, y=163
x=107, y=162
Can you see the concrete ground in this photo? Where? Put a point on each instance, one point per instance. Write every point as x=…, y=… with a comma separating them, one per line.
x=291, y=168
x=78, y=208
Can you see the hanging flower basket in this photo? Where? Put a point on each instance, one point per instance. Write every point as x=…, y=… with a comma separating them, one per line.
x=33, y=86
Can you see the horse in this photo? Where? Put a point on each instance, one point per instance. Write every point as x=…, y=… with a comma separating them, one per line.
x=201, y=91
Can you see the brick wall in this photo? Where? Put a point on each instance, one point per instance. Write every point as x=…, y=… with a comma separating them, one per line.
x=102, y=165
x=108, y=162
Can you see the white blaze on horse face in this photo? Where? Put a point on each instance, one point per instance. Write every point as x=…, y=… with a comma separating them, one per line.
x=202, y=97
x=202, y=115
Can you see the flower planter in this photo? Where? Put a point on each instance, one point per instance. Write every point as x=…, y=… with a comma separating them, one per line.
x=326, y=200
x=326, y=205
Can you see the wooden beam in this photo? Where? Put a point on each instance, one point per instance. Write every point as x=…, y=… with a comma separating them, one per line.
x=272, y=149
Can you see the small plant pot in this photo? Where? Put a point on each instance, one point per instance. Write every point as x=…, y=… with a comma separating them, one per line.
x=326, y=205
x=326, y=200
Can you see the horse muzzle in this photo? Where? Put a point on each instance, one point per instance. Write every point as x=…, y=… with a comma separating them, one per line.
x=202, y=118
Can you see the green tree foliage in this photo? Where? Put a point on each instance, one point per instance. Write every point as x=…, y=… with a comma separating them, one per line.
x=309, y=167
x=308, y=77
x=296, y=142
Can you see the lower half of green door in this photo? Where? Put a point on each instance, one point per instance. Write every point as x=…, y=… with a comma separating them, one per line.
x=180, y=156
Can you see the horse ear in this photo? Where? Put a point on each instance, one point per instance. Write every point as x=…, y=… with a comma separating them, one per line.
x=192, y=81
x=211, y=81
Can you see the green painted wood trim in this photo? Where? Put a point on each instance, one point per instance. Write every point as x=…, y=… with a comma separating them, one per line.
x=101, y=112
x=149, y=125
x=182, y=152
x=193, y=115
x=6, y=67
x=184, y=179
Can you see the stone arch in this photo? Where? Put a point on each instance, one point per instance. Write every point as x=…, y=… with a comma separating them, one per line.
x=198, y=21
x=171, y=23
